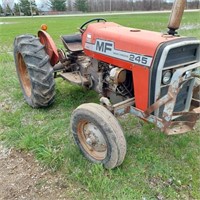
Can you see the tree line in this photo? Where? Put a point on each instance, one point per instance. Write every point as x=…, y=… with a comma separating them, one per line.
x=29, y=7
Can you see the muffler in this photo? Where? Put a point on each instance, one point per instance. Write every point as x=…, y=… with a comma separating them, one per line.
x=176, y=16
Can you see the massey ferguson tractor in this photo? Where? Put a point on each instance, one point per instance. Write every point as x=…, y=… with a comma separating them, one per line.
x=150, y=75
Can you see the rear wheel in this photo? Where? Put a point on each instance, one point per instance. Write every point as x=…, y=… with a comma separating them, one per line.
x=98, y=135
x=34, y=71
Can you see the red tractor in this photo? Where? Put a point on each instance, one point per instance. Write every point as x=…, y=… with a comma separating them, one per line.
x=148, y=74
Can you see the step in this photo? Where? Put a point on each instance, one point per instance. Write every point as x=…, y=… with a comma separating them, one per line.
x=75, y=77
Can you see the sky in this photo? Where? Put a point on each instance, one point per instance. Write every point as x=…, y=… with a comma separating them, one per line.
x=38, y=2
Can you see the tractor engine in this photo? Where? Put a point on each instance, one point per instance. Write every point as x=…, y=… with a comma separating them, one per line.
x=109, y=81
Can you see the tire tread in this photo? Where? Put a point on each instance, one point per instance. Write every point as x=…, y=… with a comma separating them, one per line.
x=39, y=69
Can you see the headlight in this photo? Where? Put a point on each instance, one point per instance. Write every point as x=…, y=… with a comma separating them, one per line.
x=166, y=78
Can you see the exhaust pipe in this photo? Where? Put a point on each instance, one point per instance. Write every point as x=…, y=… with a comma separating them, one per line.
x=176, y=16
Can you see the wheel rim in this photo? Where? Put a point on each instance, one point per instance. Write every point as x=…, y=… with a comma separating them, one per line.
x=92, y=140
x=24, y=76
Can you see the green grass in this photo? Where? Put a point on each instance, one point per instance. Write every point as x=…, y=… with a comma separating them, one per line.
x=156, y=166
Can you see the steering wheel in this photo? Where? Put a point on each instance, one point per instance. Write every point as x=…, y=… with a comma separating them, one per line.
x=89, y=21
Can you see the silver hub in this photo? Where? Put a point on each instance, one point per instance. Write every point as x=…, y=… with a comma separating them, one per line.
x=94, y=138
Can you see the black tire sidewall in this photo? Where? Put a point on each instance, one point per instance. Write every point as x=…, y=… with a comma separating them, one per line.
x=41, y=95
x=16, y=51
x=80, y=116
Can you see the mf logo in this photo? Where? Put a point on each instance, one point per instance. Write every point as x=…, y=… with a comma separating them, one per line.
x=103, y=46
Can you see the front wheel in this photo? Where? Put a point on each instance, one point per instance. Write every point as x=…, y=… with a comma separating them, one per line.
x=99, y=135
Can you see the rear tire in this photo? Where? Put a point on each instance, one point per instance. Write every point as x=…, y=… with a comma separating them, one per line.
x=98, y=135
x=34, y=71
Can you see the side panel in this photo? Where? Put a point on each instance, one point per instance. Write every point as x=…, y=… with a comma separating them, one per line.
x=140, y=73
x=110, y=60
x=141, y=86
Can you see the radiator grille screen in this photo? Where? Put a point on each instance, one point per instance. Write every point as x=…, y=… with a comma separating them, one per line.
x=181, y=98
x=181, y=55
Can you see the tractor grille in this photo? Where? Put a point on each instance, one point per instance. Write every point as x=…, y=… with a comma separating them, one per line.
x=182, y=55
x=172, y=56
x=182, y=98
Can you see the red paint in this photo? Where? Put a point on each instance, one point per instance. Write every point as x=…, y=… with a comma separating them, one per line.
x=50, y=46
x=130, y=40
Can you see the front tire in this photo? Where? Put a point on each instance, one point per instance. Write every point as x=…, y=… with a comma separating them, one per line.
x=34, y=71
x=98, y=135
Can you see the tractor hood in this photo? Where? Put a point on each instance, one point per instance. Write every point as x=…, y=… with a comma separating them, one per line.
x=109, y=41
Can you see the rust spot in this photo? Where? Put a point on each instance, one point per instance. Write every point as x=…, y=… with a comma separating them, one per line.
x=127, y=110
x=157, y=104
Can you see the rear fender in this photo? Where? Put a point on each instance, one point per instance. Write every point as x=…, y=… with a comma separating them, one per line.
x=50, y=46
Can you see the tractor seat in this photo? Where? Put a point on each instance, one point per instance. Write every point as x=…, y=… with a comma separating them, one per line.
x=72, y=42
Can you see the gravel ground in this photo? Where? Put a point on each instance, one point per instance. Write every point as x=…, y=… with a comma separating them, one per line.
x=21, y=177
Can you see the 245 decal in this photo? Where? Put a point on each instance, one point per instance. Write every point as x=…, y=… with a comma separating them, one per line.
x=139, y=59
x=108, y=48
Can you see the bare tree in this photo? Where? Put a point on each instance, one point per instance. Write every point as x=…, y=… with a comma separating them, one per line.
x=1, y=10
x=69, y=5
x=128, y=5
x=6, y=3
x=194, y=4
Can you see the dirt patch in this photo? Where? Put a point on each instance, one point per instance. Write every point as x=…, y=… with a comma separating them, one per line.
x=21, y=177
